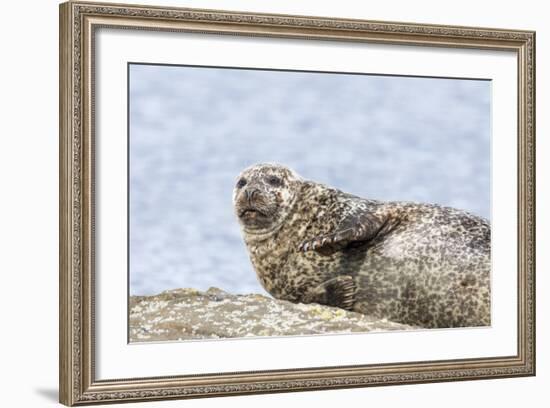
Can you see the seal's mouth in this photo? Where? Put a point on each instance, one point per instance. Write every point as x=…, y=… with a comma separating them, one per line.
x=251, y=213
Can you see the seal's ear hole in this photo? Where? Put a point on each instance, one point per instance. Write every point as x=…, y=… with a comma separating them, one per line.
x=274, y=181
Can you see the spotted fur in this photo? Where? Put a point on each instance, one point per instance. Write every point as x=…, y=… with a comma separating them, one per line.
x=419, y=264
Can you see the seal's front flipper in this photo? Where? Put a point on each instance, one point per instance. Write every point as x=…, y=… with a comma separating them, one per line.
x=357, y=227
x=334, y=241
x=338, y=292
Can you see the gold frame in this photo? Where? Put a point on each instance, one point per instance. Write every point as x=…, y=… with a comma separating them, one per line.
x=78, y=21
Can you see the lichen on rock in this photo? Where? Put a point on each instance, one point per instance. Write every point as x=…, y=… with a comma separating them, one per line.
x=185, y=314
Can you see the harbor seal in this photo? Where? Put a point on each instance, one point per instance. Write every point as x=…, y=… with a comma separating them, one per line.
x=419, y=264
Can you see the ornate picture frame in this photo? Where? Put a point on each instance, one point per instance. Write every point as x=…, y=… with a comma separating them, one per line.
x=79, y=22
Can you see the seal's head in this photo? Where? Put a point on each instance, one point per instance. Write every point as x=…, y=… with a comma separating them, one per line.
x=264, y=195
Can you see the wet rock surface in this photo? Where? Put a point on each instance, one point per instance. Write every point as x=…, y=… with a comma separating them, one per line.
x=186, y=314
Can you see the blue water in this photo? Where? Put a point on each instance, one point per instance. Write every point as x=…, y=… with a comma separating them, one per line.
x=192, y=130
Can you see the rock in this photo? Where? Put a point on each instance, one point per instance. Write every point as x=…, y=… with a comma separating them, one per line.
x=184, y=314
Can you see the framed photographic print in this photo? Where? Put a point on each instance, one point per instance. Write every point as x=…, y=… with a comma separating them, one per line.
x=260, y=203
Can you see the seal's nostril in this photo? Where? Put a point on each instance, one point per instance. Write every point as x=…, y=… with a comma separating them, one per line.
x=250, y=193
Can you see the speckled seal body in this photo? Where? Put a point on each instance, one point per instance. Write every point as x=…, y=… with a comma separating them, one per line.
x=419, y=264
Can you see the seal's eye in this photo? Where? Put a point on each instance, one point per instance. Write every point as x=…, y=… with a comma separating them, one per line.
x=241, y=183
x=274, y=181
